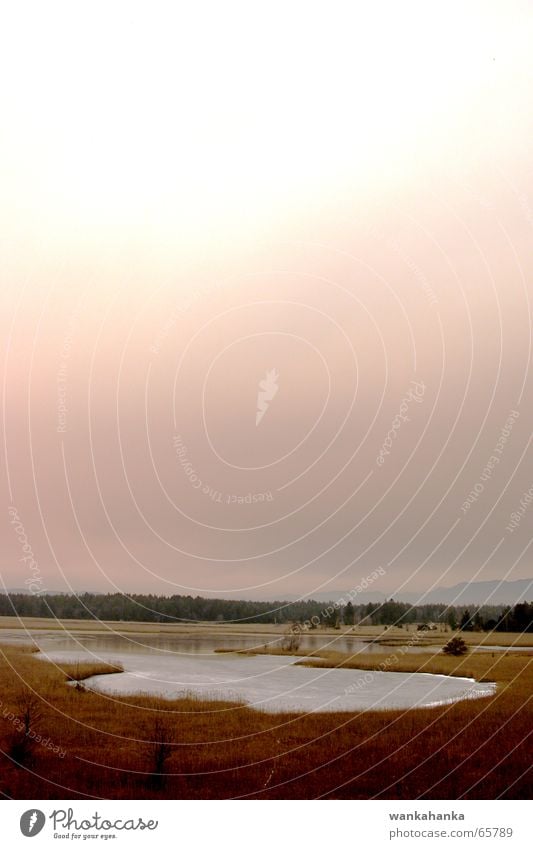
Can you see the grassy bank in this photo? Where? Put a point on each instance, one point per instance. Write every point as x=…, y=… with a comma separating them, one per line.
x=80, y=671
x=478, y=749
x=500, y=667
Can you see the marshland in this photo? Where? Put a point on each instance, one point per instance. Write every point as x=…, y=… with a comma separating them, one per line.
x=128, y=744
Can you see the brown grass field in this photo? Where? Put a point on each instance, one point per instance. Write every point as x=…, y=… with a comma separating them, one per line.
x=474, y=749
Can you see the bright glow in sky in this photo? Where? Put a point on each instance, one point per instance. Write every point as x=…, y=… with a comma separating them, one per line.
x=161, y=123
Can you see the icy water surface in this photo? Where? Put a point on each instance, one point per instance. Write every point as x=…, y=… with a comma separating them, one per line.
x=271, y=683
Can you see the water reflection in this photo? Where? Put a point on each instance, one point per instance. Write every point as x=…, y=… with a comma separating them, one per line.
x=206, y=644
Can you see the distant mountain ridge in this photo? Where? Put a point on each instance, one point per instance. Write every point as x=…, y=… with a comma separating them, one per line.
x=475, y=592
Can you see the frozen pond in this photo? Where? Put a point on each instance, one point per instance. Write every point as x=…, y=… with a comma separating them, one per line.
x=272, y=683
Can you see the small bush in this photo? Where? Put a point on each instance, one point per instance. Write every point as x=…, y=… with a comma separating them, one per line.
x=456, y=646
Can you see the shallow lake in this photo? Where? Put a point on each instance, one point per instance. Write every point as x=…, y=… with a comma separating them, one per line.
x=192, y=643
x=267, y=682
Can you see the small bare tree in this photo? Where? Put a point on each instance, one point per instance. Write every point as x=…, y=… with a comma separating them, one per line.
x=163, y=738
x=28, y=714
x=291, y=640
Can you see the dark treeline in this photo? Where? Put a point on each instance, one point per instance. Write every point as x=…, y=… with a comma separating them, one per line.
x=312, y=614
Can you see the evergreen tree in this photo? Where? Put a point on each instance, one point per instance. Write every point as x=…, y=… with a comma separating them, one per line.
x=466, y=621
x=349, y=614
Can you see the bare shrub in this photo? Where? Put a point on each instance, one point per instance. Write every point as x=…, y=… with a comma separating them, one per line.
x=163, y=738
x=292, y=639
x=28, y=715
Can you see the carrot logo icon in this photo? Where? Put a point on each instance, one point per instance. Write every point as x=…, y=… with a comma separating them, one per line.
x=32, y=822
x=268, y=387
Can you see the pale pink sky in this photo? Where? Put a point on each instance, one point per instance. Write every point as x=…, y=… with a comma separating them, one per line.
x=337, y=195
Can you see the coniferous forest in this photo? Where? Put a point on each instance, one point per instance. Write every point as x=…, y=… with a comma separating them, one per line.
x=315, y=614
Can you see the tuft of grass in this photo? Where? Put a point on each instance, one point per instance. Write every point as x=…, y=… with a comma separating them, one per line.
x=81, y=671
